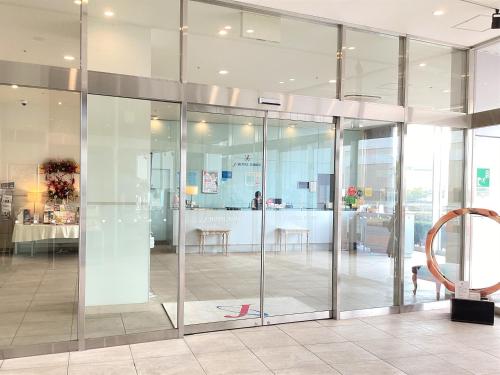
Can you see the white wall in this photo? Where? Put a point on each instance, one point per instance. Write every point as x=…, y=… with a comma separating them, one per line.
x=487, y=93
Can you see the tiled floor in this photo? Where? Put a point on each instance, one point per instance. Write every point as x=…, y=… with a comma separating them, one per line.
x=38, y=295
x=413, y=343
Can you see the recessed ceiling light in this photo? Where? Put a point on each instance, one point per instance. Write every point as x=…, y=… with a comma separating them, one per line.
x=351, y=48
x=422, y=64
x=438, y=12
x=222, y=32
x=332, y=81
x=155, y=118
x=203, y=121
x=228, y=27
x=291, y=79
x=69, y=57
x=77, y=2
x=59, y=103
x=250, y=31
x=14, y=86
x=446, y=91
x=109, y=13
x=281, y=82
x=223, y=72
x=249, y=124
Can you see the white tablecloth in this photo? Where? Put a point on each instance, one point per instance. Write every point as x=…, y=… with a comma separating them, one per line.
x=37, y=232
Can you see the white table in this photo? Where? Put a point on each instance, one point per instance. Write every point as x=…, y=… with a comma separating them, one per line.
x=39, y=232
x=285, y=231
x=224, y=233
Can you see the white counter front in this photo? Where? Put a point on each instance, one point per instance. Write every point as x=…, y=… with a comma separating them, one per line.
x=245, y=225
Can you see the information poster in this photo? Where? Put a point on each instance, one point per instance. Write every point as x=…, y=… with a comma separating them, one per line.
x=210, y=183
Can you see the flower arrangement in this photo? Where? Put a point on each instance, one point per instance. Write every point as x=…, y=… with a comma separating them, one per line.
x=59, y=177
x=352, y=195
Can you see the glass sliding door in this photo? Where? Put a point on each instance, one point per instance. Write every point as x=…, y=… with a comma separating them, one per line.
x=223, y=215
x=299, y=214
x=369, y=216
x=485, y=257
x=133, y=182
x=434, y=186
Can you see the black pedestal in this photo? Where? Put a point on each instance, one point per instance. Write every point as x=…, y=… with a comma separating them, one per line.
x=471, y=311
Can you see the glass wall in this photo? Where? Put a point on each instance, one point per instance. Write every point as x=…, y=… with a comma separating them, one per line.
x=485, y=256
x=269, y=53
x=437, y=77
x=133, y=181
x=487, y=78
x=39, y=229
x=223, y=217
x=369, y=216
x=299, y=215
x=371, y=67
x=434, y=186
x=40, y=32
x=139, y=38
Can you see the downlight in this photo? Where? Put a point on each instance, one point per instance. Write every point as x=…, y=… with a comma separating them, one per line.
x=495, y=20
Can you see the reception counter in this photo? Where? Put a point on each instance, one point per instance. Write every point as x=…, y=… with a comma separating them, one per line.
x=245, y=226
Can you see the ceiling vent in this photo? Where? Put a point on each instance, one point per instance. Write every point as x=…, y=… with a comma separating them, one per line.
x=363, y=97
x=478, y=23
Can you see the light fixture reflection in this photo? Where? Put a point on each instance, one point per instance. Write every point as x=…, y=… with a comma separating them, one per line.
x=291, y=79
x=69, y=57
x=332, y=81
x=422, y=64
x=223, y=72
x=109, y=13
x=77, y=2
x=250, y=31
x=14, y=86
x=228, y=27
x=438, y=12
x=222, y=32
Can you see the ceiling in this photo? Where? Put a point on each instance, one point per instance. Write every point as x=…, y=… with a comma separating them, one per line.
x=413, y=17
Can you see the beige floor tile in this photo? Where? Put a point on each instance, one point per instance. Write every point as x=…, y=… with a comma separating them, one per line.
x=475, y=361
x=265, y=339
x=355, y=333
x=308, y=370
x=214, y=342
x=390, y=348
x=50, y=360
x=162, y=348
x=219, y=363
x=343, y=352
x=112, y=354
x=177, y=364
x=426, y=364
x=103, y=368
x=58, y=370
x=287, y=356
x=376, y=367
x=321, y=335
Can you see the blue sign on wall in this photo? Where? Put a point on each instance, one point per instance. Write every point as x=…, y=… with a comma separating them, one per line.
x=226, y=175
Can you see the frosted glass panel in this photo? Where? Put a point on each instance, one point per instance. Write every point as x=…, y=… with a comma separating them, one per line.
x=131, y=260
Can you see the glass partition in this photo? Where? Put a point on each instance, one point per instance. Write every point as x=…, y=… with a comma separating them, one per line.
x=139, y=38
x=371, y=67
x=485, y=257
x=223, y=217
x=299, y=215
x=40, y=32
x=437, y=77
x=264, y=52
x=133, y=181
x=487, y=78
x=369, y=216
x=39, y=221
x=434, y=186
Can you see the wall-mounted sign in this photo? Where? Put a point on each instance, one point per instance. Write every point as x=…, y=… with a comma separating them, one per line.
x=210, y=183
x=7, y=185
x=247, y=162
x=226, y=175
x=483, y=177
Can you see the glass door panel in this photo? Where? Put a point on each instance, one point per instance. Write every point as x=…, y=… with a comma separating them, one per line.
x=369, y=218
x=299, y=215
x=485, y=256
x=131, y=258
x=223, y=216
